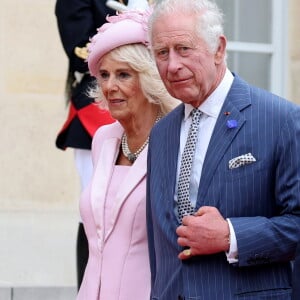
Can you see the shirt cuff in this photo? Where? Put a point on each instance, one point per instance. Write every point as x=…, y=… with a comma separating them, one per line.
x=232, y=254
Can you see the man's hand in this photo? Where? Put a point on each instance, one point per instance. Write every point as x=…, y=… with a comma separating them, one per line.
x=205, y=232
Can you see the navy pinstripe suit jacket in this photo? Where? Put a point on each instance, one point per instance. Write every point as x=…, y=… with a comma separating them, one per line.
x=261, y=199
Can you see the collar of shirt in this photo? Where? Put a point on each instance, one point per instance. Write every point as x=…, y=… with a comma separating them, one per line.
x=213, y=104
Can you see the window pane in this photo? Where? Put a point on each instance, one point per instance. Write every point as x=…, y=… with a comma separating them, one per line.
x=247, y=21
x=253, y=67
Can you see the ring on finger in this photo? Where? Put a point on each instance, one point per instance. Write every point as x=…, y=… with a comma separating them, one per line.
x=187, y=252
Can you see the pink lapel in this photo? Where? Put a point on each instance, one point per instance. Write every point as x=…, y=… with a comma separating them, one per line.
x=136, y=173
x=105, y=161
x=101, y=178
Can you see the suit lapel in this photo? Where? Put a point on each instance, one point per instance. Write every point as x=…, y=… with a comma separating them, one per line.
x=237, y=99
x=171, y=140
x=172, y=148
x=134, y=176
x=102, y=177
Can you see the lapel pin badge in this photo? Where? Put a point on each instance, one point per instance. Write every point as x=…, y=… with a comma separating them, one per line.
x=232, y=124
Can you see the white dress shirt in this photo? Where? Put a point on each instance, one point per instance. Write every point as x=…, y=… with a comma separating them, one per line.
x=210, y=109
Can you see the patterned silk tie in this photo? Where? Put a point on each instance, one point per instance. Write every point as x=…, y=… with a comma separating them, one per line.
x=184, y=204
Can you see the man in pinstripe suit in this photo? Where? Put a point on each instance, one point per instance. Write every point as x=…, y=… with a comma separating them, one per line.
x=245, y=176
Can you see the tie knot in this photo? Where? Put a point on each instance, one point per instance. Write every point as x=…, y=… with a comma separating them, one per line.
x=195, y=114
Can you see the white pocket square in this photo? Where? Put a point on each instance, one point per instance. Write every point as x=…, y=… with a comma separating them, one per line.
x=241, y=160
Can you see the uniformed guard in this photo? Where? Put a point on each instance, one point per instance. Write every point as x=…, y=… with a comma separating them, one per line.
x=78, y=21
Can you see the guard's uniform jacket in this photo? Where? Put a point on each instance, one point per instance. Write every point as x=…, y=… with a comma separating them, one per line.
x=77, y=23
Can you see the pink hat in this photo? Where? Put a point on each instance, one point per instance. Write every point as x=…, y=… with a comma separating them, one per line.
x=129, y=27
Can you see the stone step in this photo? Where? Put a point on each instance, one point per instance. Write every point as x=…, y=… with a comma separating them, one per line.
x=38, y=293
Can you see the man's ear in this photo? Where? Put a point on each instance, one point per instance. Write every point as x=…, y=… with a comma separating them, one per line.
x=221, y=51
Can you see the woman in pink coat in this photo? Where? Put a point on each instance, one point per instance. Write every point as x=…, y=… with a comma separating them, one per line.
x=113, y=205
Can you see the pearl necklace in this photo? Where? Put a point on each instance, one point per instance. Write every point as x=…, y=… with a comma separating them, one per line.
x=125, y=148
x=126, y=151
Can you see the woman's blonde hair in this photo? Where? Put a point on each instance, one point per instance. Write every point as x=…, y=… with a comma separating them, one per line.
x=139, y=58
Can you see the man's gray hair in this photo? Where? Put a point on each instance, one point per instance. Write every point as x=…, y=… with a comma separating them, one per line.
x=208, y=14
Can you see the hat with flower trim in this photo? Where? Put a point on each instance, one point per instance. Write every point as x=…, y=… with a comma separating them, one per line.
x=128, y=27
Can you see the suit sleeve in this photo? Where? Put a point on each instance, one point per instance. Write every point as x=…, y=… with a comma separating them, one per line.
x=263, y=240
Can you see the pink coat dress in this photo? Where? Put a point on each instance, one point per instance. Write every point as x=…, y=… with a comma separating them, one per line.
x=118, y=265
